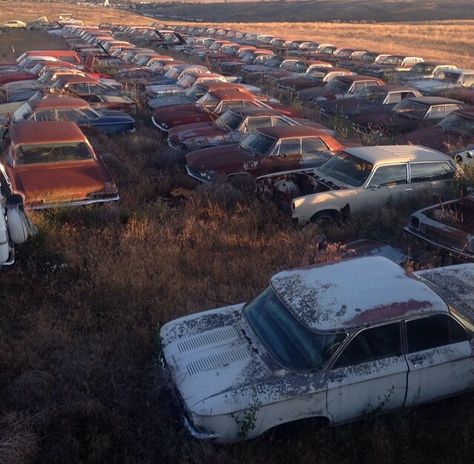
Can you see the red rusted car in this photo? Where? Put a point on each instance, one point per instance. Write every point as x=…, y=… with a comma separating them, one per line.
x=268, y=152
x=52, y=164
x=207, y=108
x=453, y=135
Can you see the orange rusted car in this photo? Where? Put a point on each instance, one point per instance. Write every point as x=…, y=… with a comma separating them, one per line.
x=52, y=164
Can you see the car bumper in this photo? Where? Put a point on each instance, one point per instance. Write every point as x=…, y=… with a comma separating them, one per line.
x=67, y=204
x=439, y=244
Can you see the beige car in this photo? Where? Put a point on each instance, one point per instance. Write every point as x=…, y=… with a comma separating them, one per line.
x=14, y=24
x=363, y=178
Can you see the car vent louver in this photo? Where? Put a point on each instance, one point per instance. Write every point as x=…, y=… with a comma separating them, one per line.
x=217, y=360
x=208, y=338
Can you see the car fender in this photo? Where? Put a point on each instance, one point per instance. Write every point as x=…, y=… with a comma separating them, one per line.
x=305, y=207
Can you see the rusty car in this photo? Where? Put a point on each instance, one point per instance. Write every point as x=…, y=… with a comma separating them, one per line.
x=53, y=164
x=448, y=225
x=408, y=115
x=309, y=346
x=453, y=135
x=268, y=152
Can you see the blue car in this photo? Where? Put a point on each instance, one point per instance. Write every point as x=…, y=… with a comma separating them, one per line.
x=56, y=108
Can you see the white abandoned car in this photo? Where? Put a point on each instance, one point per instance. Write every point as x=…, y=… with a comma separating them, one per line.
x=363, y=178
x=15, y=227
x=335, y=342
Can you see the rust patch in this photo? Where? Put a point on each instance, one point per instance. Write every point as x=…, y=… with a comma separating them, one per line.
x=389, y=311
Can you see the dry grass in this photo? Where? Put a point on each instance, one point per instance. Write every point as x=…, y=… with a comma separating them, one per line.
x=80, y=310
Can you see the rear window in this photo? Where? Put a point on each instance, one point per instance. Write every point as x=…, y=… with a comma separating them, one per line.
x=52, y=153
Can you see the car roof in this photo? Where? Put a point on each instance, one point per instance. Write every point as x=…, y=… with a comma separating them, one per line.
x=233, y=93
x=358, y=77
x=434, y=100
x=45, y=132
x=397, y=154
x=322, y=297
x=244, y=112
x=59, y=102
x=281, y=132
x=75, y=79
x=455, y=283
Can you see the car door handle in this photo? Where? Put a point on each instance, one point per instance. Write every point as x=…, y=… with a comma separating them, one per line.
x=408, y=190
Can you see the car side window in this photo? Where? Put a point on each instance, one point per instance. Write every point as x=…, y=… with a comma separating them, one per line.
x=436, y=112
x=426, y=172
x=253, y=123
x=394, y=97
x=431, y=332
x=386, y=176
x=68, y=115
x=290, y=147
x=279, y=122
x=372, y=344
x=46, y=115
x=313, y=145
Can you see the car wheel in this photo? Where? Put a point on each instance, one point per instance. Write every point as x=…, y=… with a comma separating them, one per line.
x=324, y=218
x=244, y=182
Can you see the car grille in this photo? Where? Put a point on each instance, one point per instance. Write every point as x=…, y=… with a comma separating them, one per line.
x=444, y=237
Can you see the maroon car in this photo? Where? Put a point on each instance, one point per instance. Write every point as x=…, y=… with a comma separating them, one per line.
x=207, y=108
x=339, y=87
x=453, y=135
x=459, y=93
x=16, y=77
x=408, y=115
x=231, y=127
x=268, y=150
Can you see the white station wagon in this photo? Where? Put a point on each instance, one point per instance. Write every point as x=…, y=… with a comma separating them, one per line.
x=335, y=342
x=363, y=178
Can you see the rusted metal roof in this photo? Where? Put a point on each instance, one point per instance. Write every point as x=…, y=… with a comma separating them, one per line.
x=29, y=133
x=59, y=102
x=354, y=293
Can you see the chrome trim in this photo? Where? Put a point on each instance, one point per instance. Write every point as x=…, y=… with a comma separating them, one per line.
x=74, y=203
x=196, y=434
x=456, y=251
x=158, y=125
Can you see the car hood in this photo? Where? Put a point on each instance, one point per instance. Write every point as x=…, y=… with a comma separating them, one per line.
x=224, y=159
x=219, y=367
x=180, y=116
x=60, y=183
x=169, y=101
x=212, y=361
x=199, y=129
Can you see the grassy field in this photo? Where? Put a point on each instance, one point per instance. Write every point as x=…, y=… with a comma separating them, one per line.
x=80, y=310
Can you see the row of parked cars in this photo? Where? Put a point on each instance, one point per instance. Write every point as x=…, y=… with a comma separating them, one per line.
x=309, y=345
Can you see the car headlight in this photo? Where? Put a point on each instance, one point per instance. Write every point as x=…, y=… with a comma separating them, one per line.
x=248, y=165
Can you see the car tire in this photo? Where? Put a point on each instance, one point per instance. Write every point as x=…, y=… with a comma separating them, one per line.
x=324, y=218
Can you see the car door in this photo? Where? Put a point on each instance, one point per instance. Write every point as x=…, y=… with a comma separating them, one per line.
x=430, y=178
x=369, y=376
x=387, y=184
x=440, y=358
x=285, y=156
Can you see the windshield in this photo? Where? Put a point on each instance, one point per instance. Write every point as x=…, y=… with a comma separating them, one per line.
x=371, y=95
x=290, y=342
x=229, y=120
x=451, y=77
x=22, y=113
x=187, y=81
x=339, y=85
x=458, y=123
x=347, y=168
x=195, y=92
x=410, y=109
x=423, y=68
x=258, y=143
x=52, y=153
x=207, y=101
